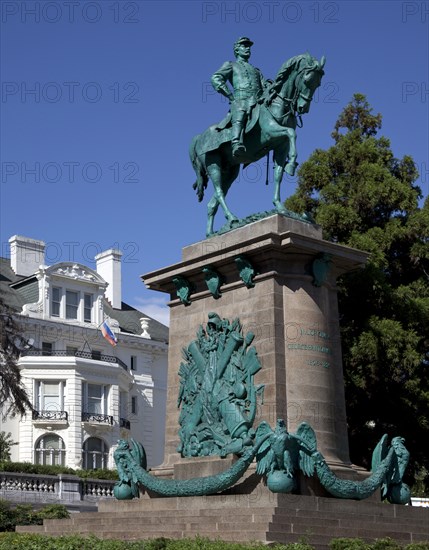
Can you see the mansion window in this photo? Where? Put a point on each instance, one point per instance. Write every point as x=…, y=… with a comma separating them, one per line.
x=56, y=302
x=50, y=395
x=50, y=450
x=133, y=404
x=87, y=309
x=95, y=454
x=95, y=398
x=72, y=304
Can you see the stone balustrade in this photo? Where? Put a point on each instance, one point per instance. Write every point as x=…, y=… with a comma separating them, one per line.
x=49, y=489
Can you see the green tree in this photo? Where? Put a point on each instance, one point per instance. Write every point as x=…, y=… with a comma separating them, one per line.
x=6, y=443
x=13, y=397
x=366, y=198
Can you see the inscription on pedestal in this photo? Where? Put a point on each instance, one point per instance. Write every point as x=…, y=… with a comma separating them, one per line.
x=305, y=346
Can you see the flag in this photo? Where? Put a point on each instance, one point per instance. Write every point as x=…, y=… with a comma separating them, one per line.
x=107, y=332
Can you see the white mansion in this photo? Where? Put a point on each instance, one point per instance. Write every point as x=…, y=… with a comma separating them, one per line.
x=86, y=393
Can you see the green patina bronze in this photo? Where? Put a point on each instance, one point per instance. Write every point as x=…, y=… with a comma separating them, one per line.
x=184, y=289
x=132, y=473
x=280, y=456
x=217, y=395
x=260, y=216
x=214, y=280
x=246, y=271
x=320, y=267
x=262, y=118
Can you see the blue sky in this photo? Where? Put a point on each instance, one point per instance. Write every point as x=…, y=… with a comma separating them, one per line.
x=100, y=100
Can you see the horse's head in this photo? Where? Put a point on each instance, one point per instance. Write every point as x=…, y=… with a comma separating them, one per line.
x=307, y=80
x=298, y=79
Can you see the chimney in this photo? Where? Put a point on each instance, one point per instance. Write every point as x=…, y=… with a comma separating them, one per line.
x=109, y=267
x=26, y=255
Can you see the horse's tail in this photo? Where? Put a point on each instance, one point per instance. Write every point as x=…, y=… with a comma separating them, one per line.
x=202, y=177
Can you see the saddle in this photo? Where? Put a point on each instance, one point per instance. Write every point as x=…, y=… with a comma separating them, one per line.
x=221, y=133
x=252, y=117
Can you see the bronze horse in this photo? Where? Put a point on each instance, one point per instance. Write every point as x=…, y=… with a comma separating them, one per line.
x=271, y=127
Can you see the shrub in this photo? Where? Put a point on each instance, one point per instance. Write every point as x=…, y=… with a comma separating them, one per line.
x=386, y=544
x=24, y=514
x=379, y=544
x=6, y=516
x=349, y=544
x=53, y=511
x=28, y=541
x=29, y=468
x=98, y=474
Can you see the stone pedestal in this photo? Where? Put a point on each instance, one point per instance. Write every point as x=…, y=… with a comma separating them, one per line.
x=292, y=310
x=295, y=319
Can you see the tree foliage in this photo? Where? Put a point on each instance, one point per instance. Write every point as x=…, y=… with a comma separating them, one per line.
x=13, y=397
x=6, y=444
x=366, y=198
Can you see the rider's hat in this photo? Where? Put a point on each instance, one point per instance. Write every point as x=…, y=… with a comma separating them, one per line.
x=243, y=40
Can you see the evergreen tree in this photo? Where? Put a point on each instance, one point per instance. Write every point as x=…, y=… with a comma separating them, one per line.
x=6, y=444
x=13, y=397
x=364, y=197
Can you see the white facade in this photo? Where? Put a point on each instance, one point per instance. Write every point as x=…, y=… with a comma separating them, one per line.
x=86, y=393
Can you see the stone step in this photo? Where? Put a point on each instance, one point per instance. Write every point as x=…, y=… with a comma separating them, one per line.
x=316, y=530
x=414, y=518
x=354, y=522
x=192, y=516
x=238, y=518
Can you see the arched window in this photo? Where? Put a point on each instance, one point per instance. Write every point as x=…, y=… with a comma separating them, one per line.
x=95, y=454
x=50, y=450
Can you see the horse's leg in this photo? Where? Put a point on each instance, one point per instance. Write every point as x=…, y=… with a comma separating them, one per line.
x=215, y=174
x=230, y=178
x=212, y=208
x=292, y=154
x=280, y=155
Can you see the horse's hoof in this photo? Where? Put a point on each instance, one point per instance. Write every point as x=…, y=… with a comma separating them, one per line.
x=281, y=209
x=290, y=168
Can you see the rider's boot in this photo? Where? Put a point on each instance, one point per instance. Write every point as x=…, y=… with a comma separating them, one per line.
x=238, y=148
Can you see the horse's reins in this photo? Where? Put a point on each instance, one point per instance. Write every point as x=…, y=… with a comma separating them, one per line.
x=293, y=102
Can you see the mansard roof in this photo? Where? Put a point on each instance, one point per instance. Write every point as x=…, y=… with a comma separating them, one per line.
x=17, y=291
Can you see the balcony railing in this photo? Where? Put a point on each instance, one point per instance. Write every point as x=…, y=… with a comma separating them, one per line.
x=95, y=417
x=50, y=415
x=84, y=354
x=124, y=423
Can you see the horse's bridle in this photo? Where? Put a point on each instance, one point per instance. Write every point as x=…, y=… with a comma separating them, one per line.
x=294, y=100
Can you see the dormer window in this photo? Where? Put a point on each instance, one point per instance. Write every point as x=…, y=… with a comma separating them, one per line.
x=87, y=308
x=72, y=304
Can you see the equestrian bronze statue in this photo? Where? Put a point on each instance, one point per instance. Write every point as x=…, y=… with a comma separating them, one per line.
x=263, y=117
